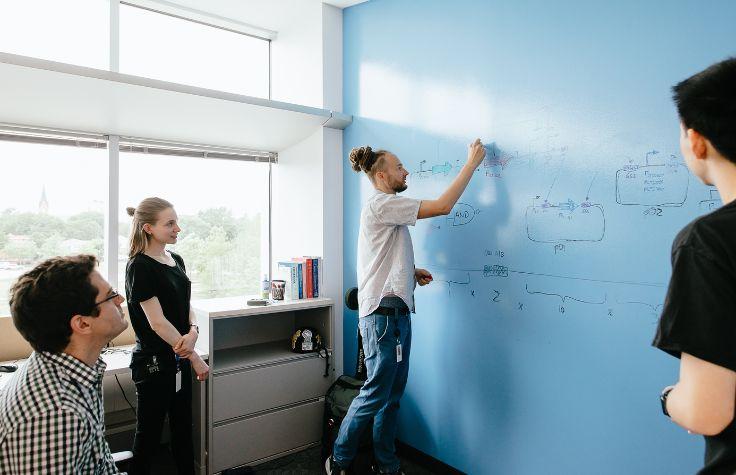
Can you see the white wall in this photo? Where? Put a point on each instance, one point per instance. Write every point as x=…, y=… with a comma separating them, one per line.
x=332, y=226
x=331, y=58
x=297, y=213
x=296, y=56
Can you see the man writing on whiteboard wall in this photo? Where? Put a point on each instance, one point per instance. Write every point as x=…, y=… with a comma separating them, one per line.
x=386, y=281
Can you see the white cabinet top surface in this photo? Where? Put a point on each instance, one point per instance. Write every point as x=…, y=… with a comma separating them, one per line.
x=237, y=306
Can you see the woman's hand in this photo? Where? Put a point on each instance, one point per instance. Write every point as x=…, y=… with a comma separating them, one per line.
x=185, y=347
x=476, y=153
x=423, y=276
x=200, y=368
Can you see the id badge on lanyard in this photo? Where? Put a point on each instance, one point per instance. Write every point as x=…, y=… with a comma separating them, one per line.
x=399, y=356
x=178, y=375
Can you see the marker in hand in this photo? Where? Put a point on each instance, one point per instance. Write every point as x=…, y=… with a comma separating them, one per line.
x=422, y=276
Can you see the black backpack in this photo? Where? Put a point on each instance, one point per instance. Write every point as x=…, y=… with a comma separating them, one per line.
x=338, y=400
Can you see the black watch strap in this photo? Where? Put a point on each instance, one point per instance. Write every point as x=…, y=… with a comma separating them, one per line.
x=663, y=399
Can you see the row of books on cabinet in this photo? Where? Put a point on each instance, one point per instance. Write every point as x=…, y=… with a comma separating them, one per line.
x=302, y=276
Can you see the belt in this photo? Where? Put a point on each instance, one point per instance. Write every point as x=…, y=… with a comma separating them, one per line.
x=391, y=311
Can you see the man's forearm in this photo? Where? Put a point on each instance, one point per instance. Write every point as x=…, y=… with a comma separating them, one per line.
x=457, y=187
x=688, y=412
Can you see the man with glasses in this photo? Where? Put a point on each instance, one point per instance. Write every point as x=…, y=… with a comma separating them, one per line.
x=51, y=412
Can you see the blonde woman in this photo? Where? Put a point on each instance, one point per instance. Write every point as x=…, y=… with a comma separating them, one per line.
x=158, y=293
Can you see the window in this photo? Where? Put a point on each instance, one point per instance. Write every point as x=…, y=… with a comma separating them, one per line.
x=53, y=203
x=151, y=44
x=223, y=214
x=74, y=32
x=164, y=47
x=53, y=200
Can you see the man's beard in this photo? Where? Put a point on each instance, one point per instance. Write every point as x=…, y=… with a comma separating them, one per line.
x=400, y=187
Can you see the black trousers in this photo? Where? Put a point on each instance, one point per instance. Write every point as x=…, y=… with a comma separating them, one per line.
x=157, y=397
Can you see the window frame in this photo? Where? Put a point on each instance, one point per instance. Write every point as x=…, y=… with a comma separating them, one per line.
x=205, y=152
x=244, y=29
x=114, y=144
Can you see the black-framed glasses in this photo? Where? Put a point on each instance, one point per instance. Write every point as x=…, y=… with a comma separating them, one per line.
x=114, y=295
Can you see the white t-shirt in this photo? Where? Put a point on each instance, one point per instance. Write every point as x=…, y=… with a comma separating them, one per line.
x=385, y=251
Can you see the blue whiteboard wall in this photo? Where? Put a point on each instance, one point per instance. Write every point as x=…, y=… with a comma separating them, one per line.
x=531, y=350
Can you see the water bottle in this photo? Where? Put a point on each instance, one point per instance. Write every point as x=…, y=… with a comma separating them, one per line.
x=265, y=286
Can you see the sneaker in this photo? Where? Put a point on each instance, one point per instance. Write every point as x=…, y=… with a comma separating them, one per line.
x=332, y=468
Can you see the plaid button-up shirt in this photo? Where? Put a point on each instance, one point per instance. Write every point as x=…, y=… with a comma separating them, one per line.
x=52, y=418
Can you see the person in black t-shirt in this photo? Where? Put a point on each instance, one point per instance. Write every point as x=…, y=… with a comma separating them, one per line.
x=158, y=293
x=698, y=322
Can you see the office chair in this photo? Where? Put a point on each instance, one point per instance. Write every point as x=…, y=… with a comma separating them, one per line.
x=122, y=459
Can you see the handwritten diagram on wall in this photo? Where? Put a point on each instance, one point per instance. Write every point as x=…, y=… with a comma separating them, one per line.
x=572, y=222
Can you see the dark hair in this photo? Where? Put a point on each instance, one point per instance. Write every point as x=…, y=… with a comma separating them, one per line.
x=44, y=300
x=365, y=159
x=706, y=102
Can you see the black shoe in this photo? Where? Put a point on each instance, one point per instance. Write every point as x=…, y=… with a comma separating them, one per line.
x=375, y=469
x=332, y=468
x=398, y=472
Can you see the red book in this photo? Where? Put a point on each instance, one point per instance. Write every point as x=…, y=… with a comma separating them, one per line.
x=310, y=287
x=306, y=283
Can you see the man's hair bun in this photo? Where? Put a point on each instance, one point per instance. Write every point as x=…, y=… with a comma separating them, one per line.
x=362, y=158
x=130, y=210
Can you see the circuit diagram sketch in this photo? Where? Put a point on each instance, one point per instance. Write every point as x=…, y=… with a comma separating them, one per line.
x=565, y=298
x=428, y=171
x=654, y=308
x=502, y=280
x=495, y=270
x=714, y=202
x=498, y=270
x=453, y=282
x=556, y=186
x=493, y=165
x=565, y=221
x=462, y=214
x=496, y=161
x=653, y=184
x=438, y=168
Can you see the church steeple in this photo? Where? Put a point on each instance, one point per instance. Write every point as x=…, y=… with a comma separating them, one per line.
x=43, y=205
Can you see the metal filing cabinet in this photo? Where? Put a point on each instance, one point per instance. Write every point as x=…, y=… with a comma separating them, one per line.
x=263, y=401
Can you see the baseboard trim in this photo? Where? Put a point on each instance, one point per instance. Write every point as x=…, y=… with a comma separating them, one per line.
x=425, y=460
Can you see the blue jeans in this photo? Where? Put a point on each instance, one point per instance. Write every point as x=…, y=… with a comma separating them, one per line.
x=379, y=397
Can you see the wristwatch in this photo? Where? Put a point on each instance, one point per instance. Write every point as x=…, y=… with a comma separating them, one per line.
x=196, y=327
x=663, y=399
